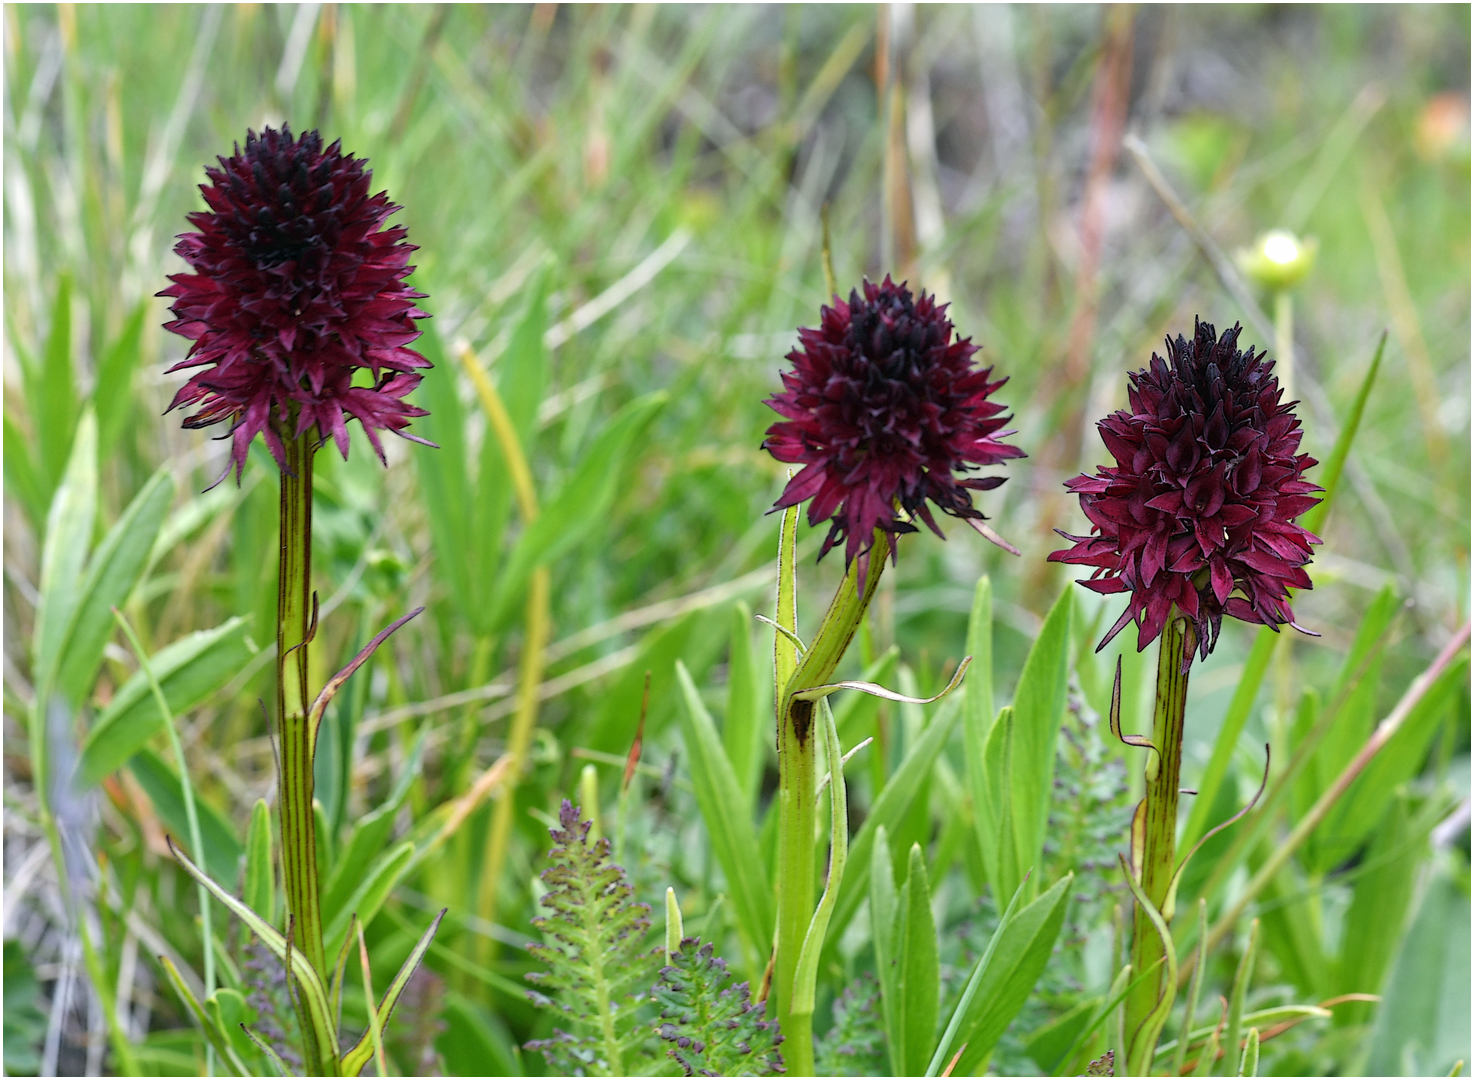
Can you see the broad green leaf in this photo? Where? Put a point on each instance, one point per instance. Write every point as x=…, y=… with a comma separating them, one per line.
x=748, y=707
x=23, y=478
x=1358, y=811
x=259, y=889
x=227, y=1009
x=964, y=1004
x=578, y=508
x=161, y=783
x=112, y=572
x=189, y=671
x=53, y=401
x=64, y=554
x=918, y=970
x=1024, y=947
x=369, y=837
x=978, y=692
x=521, y=379
x=476, y=1040
x=1422, y=1024
x=882, y=933
x=193, y=515
x=371, y=889
x=997, y=833
x=891, y=805
x=1038, y=710
x=1380, y=901
x=448, y=496
x=112, y=397
x=728, y=821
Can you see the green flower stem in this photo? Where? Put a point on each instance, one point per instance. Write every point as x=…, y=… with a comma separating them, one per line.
x=296, y=738
x=797, y=736
x=1158, y=854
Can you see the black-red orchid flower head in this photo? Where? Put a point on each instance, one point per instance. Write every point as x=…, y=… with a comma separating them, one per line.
x=882, y=407
x=1199, y=509
x=297, y=288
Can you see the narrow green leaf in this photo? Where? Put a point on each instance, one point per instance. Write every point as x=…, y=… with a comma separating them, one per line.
x=213, y=1033
x=1024, y=945
x=161, y=784
x=1038, y=710
x=367, y=842
x=883, y=902
x=227, y=1009
x=728, y=823
x=112, y=397
x=1198, y=819
x=577, y=510
x=189, y=671
x=785, y=653
x=1239, y=992
x=355, y=1059
x=979, y=972
x=806, y=973
x=372, y=889
x=112, y=572
x=54, y=401
x=918, y=969
x=1330, y=472
x=743, y=727
x=314, y=994
x=259, y=889
x=892, y=803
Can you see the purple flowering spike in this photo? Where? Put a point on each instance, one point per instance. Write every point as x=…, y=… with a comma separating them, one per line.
x=1199, y=509
x=297, y=286
x=881, y=408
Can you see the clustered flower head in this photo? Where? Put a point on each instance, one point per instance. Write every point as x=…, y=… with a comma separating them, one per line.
x=882, y=407
x=297, y=287
x=1199, y=510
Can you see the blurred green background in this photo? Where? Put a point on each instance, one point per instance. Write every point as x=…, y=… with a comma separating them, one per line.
x=655, y=176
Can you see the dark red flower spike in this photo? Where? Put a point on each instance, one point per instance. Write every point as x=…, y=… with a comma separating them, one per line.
x=881, y=408
x=297, y=288
x=1199, y=509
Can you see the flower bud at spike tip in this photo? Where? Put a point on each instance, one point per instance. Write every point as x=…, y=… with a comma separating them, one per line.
x=297, y=287
x=1278, y=259
x=1199, y=509
x=881, y=408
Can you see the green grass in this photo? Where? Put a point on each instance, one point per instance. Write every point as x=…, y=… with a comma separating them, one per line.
x=679, y=158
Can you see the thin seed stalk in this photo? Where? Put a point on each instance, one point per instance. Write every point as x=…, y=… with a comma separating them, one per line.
x=297, y=740
x=1159, y=847
x=798, y=734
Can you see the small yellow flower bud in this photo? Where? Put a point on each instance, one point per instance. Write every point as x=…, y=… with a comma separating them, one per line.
x=1278, y=259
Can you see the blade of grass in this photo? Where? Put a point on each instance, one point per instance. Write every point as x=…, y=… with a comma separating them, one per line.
x=368, y=1000
x=195, y=843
